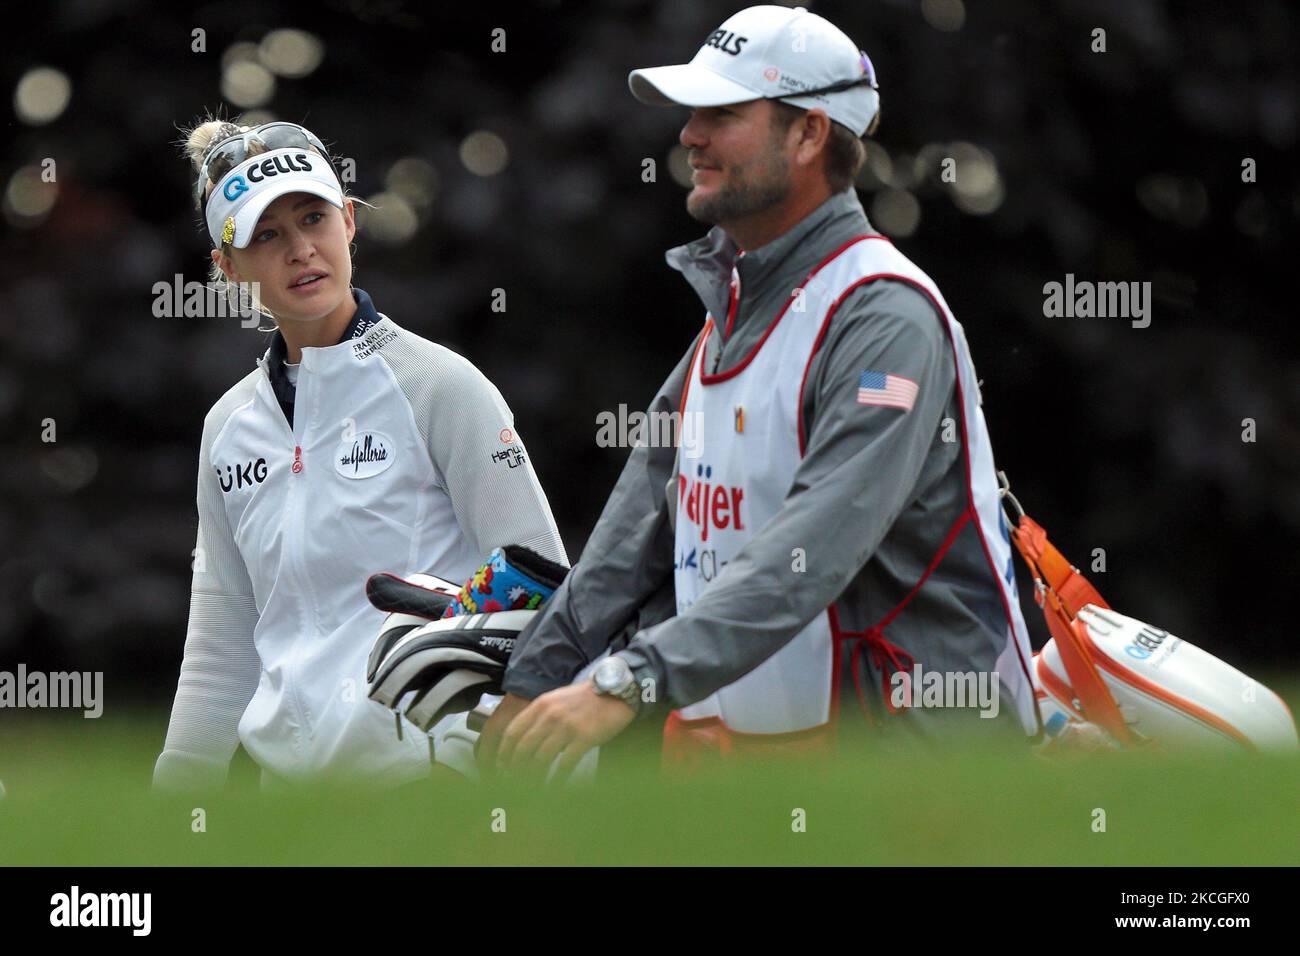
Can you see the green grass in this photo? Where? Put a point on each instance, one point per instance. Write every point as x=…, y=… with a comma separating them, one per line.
x=77, y=795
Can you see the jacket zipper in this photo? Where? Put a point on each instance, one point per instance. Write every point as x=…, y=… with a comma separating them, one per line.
x=291, y=538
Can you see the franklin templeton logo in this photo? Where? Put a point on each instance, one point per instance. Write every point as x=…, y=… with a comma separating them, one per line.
x=374, y=340
x=365, y=455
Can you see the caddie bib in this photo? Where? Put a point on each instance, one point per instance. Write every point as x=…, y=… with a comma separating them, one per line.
x=735, y=477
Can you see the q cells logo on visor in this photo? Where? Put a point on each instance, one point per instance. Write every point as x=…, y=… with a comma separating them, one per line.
x=259, y=172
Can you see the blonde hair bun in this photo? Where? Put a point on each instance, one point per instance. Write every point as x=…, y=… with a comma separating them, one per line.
x=205, y=135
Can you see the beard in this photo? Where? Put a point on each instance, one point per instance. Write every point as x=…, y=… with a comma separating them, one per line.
x=749, y=189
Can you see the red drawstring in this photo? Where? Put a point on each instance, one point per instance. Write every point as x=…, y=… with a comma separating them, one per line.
x=886, y=656
x=885, y=652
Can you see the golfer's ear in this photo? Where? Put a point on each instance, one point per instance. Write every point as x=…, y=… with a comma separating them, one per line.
x=222, y=262
x=350, y=218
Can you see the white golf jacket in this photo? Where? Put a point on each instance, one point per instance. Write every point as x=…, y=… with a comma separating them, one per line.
x=392, y=454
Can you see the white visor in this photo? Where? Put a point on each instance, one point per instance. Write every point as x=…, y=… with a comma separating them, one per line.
x=244, y=193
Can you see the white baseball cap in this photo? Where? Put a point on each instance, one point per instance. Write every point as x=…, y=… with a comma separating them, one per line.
x=242, y=195
x=775, y=53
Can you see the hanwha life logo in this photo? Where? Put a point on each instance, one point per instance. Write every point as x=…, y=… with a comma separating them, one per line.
x=365, y=455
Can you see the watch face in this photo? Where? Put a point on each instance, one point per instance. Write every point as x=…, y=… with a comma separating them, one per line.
x=608, y=675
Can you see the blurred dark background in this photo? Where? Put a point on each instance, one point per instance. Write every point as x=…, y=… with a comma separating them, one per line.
x=522, y=171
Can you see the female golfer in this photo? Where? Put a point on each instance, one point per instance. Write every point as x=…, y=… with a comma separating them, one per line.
x=354, y=446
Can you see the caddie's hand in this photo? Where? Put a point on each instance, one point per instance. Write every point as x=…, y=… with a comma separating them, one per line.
x=489, y=741
x=1079, y=739
x=568, y=722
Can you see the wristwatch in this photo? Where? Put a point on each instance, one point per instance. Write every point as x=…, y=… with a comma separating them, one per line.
x=614, y=678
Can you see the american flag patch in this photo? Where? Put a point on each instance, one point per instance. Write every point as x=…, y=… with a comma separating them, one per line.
x=881, y=388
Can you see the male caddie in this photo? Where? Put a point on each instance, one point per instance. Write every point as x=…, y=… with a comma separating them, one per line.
x=835, y=534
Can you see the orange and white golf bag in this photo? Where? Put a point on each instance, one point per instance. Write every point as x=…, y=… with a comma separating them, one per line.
x=1139, y=684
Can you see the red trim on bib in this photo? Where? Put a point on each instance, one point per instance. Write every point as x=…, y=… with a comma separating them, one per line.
x=961, y=402
x=744, y=363
x=690, y=369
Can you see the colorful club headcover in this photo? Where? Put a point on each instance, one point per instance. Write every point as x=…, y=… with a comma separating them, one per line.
x=513, y=578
